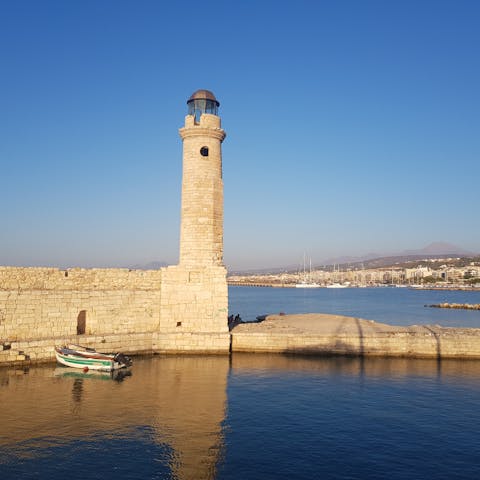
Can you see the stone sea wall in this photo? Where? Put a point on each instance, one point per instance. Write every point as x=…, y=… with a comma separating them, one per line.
x=184, y=310
x=25, y=352
x=38, y=303
x=322, y=334
x=170, y=310
x=442, y=345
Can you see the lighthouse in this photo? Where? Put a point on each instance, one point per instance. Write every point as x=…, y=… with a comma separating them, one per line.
x=201, y=231
x=194, y=294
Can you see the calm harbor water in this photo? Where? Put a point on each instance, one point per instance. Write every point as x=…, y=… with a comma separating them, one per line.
x=254, y=416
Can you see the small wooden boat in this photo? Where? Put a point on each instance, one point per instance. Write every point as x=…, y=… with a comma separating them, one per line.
x=85, y=358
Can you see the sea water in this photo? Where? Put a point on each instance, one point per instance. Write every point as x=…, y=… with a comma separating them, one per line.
x=252, y=416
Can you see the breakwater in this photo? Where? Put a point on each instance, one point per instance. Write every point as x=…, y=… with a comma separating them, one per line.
x=322, y=334
x=314, y=334
x=458, y=306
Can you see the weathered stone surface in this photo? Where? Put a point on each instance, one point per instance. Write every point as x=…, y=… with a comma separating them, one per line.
x=201, y=231
x=338, y=335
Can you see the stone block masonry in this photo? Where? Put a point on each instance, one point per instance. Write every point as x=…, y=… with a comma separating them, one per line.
x=321, y=334
x=170, y=310
x=201, y=230
x=38, y=303
x=194, y=300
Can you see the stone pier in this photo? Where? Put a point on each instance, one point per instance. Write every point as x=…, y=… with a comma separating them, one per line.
x=322, y=334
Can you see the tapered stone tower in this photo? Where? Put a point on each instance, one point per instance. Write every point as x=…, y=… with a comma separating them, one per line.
x=194, y=295
x=201, y=234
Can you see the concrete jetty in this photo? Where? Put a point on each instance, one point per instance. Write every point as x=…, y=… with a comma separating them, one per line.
x=323, y=334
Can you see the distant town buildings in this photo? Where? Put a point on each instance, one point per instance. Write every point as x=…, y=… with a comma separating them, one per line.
x=438, y=273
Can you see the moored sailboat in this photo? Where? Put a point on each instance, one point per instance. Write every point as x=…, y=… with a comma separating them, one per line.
x=306, y=281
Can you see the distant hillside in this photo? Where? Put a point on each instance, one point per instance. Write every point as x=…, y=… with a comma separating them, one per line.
x=374, y=260
x=433, y=250
x=440, y=248
x=401, y=260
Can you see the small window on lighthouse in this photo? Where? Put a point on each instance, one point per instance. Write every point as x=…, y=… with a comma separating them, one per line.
x=204, y=151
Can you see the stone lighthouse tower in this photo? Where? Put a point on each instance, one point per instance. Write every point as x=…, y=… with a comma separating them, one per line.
x=194, y=295
x=201, y=234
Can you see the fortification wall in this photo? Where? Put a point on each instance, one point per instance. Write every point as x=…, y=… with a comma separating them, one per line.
x=46, y=278
x=194, y=300
x=172, y=310
x=37, y=303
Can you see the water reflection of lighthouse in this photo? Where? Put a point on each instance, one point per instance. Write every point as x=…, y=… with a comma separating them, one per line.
x=191, y=410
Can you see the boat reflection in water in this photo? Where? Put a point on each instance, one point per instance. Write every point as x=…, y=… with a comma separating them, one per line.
x=117, y=375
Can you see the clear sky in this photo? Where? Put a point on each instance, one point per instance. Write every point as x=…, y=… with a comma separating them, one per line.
x=352, y=127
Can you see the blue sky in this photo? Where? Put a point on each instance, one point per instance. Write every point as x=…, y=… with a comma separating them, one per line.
x=352, y=127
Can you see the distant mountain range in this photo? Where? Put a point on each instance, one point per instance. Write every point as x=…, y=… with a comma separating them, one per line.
x=434, y=249
x=376, y=260
x=440, y=248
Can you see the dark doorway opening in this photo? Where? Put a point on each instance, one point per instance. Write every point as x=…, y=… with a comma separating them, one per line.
x=81, y=322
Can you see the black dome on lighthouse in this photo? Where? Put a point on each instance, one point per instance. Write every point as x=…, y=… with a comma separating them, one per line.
x=203, y=95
